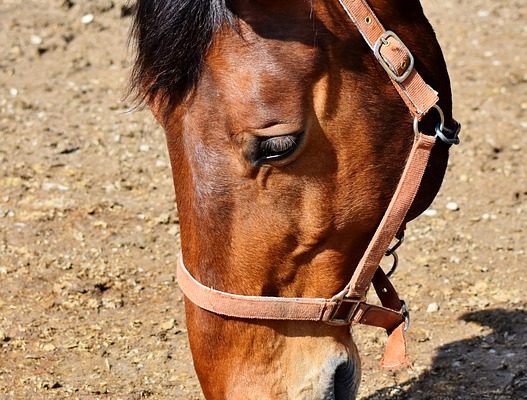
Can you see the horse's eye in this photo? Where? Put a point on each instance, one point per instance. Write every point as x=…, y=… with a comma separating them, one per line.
x=276, y=148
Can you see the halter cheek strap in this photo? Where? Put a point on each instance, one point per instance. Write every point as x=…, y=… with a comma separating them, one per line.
x=393, y=56
x=349, y=305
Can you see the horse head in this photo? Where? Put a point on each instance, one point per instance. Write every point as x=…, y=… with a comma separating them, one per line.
x=287, y=140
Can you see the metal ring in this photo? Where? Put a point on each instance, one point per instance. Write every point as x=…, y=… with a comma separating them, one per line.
x=416, y=127
x=441, y=120
x=406, y=314
x=442, y=116
x=447, y=135
x=394, y=265
x=400, y=241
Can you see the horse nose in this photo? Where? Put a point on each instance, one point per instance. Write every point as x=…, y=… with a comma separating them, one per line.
x=345, y=383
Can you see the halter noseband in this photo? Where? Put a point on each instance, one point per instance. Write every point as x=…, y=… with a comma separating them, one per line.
x=349, y=305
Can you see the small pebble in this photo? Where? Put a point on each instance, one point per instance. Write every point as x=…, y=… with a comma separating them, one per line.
x=3, y=337
x=430, y=212
x=100, y=224
x=144, y=148
x=432, y=308
x=161, y=164
x=36, y=40
x=163, y=219
x=396, y=391
x=452, y=206
x=166, y=326
x=487, y=216
x=48, y=347
x=87, y=19
x=13, y=92
x=16, y=51
x=173, y=230
x=47, y=186
x=455, y=260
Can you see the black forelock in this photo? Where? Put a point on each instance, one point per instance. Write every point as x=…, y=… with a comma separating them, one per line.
x=170, y=39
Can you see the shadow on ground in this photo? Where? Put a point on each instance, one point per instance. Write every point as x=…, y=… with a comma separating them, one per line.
x=491, y=366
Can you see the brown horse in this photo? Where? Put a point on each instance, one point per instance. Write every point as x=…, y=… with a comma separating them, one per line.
x=287, y=140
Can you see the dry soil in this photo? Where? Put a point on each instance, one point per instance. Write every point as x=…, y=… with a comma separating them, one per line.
x=89, y=308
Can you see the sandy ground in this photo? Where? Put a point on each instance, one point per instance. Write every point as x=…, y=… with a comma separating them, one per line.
x=89, y=307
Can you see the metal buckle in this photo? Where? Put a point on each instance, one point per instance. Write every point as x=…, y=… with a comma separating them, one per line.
x=349, y=318
x=383, y=40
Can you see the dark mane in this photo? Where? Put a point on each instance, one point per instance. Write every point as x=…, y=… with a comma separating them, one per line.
x=170, y=39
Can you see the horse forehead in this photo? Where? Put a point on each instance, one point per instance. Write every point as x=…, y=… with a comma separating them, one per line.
x=255, y=80
x=263, y=72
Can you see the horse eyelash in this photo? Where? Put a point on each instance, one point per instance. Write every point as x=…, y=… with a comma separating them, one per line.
x=278, y=144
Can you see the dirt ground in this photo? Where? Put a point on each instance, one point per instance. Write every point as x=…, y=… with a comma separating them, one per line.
x=89, y=307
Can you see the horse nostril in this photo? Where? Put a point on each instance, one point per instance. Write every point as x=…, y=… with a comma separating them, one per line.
x=344, y=382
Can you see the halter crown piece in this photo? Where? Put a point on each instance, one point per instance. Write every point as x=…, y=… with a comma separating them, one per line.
x=349, y=306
